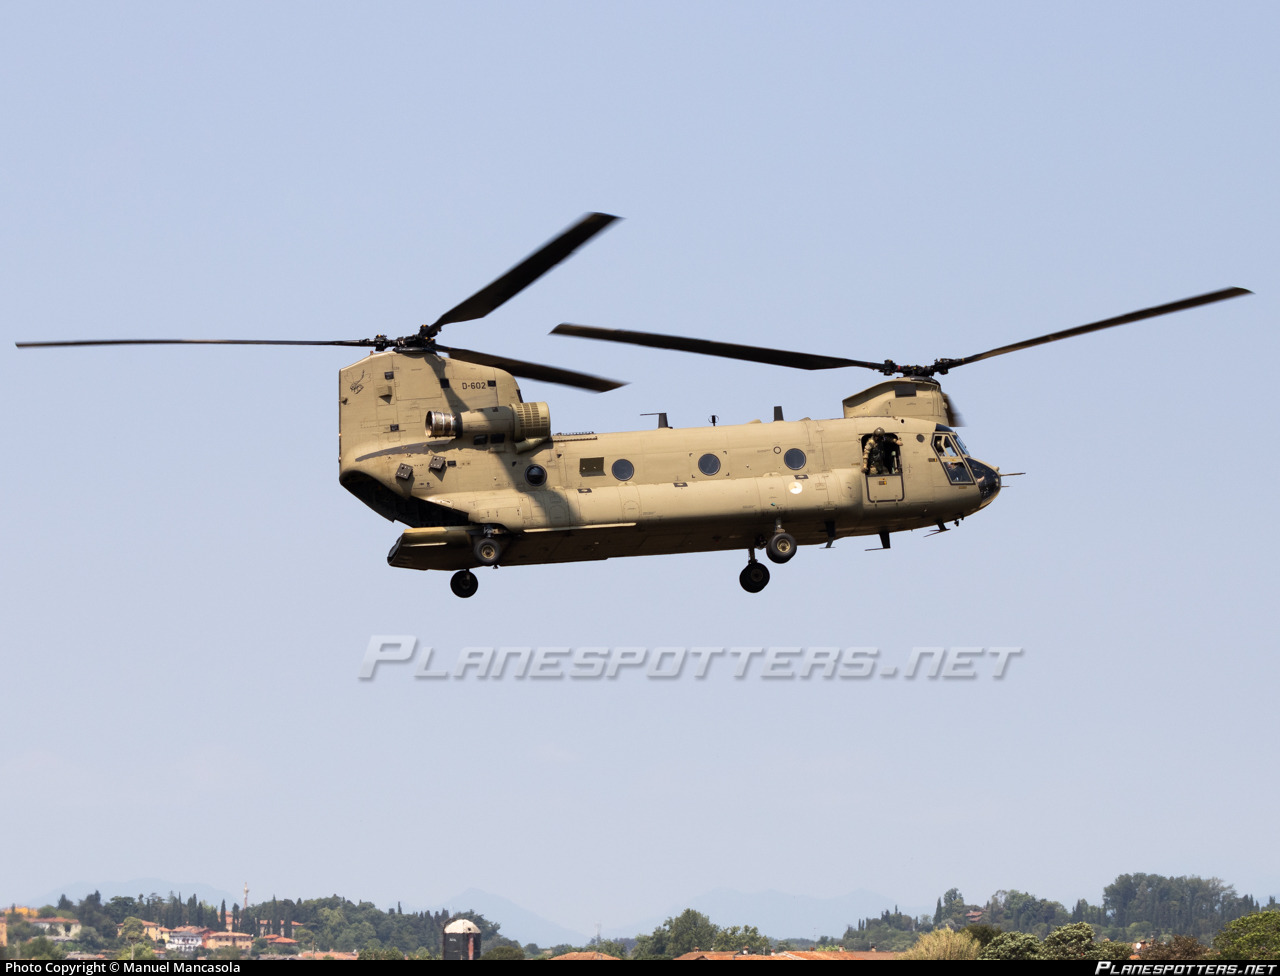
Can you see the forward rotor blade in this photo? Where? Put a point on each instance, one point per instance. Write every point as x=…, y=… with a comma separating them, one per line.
x=727, y=350
x=526, y=272
x=535, y=371
x=1146, y=313
x=199, y=342
x=953, y=415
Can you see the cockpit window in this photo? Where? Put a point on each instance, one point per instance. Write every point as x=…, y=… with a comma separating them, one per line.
x=960, y=444
x=944, y=445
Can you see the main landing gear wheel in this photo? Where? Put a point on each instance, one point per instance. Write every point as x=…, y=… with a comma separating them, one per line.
x=780, y=548
x=487, y=550
x=755, y=577
x=464, y=583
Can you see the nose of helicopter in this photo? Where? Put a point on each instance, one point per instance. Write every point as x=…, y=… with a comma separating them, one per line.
x=988, y=482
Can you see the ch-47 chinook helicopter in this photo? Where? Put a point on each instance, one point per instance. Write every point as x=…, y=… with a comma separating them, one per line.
x=447, y=445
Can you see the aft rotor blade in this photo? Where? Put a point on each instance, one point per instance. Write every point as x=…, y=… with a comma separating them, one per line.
x=727, y=350
x=199, y=342
x=534, y=371
x=1146, y=313
x=526, y=272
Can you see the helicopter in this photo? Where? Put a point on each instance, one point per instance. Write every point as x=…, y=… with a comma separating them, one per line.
x=441, y=439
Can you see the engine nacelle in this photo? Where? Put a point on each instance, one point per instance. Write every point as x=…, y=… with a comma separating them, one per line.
x=522, y=421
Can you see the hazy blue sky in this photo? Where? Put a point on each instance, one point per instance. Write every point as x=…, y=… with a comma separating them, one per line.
x=187, y=592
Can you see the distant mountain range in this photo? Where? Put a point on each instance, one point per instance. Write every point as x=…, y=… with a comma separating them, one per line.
x=516, y=922
x=775, y=913
x=783, y=916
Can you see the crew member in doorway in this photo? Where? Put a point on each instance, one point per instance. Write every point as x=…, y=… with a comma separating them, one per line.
x=881, y=452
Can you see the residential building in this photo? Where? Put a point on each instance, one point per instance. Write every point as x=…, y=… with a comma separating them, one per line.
x=186, y=939
x=56, y=926
x=229, y=940
x=150, y=930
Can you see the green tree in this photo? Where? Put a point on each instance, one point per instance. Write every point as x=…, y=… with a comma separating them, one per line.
x=651, y=946
x=1251, y=937
x=943, y=944
x=137, y=952
x=121, y=907
x=1076, y=941
x=1143, y=904
x=91, y=913
x=1180, y=947
x=131, y=930
x=1115, y=951
x=739, y=937
x=1019, y=911
x=20, y=930
x=952, y=904
x=688, y=931
x=1011, y=945
x=676, y=936
x=983, y=933
x=503, y=952
x=609, y=947
x=377, y=951
x=90, y=939
x=40, y=948
x=1069, y=942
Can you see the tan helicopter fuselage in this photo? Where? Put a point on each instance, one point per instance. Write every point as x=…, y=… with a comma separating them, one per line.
x=450, y=449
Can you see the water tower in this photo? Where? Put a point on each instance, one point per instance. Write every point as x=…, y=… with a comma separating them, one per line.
x=462, y=939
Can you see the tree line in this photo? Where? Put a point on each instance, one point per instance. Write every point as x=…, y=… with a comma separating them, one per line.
x=1133, y=908
x=332, y=924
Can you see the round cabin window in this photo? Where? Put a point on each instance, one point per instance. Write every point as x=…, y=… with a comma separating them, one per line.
x=535, y=474
x=794, y=459
x=709, y=464
x=623, y=469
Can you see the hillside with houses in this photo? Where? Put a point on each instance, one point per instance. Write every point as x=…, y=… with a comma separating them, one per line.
x=1148, y=916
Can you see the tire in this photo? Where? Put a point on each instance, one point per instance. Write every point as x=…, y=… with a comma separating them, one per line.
x=464, y=583
x=488, y=551
x=754, y=578
x=780, y=548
